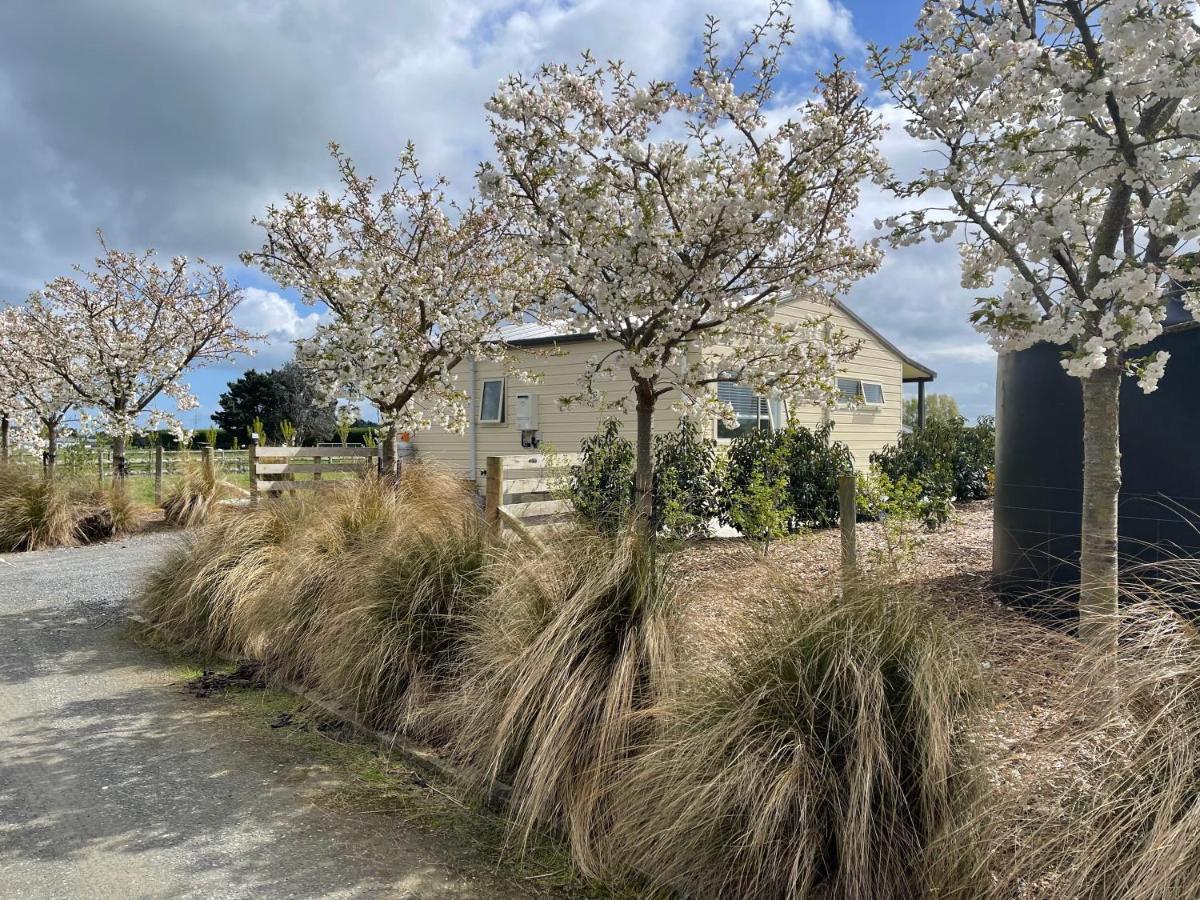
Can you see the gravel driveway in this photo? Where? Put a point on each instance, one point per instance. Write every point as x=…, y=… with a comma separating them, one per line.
x=113, y=783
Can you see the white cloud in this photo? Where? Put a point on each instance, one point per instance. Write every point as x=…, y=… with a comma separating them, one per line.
x=278, y=320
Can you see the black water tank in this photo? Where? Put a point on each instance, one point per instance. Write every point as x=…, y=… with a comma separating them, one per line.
x=1039, y=464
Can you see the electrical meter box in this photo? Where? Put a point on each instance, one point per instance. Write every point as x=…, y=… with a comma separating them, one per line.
x=525, y=413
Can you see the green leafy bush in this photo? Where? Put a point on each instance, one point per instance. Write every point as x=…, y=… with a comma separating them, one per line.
x=945, y=450
x=756, y=498
x=814, y=462
x=685, y=487
x=809, y=463
x=600, y=487
x=903, y=506
x=685, y=481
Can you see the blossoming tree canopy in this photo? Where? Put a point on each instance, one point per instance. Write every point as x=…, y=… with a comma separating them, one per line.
x=36, y=399
x=675, y=218
x=123, y=333
x=1069, y=139
x=415, y=283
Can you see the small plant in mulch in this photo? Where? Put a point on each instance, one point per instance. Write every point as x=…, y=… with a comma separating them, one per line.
x=248, y=676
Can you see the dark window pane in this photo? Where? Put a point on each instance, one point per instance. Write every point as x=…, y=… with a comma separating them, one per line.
x=491, y=404
x=850, y=389
x=873, y=392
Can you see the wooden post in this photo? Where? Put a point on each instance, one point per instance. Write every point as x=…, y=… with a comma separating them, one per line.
x=316, y=473
x=250, y=452
x=210, y=463
x=158, y=474
x=100, y=465
x=493, y=495
x=3, y=437
x=848, y=517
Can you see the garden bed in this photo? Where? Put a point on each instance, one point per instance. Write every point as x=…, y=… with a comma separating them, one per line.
x=606, y=685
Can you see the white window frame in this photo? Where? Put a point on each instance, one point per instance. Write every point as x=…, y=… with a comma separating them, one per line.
x=861, y=401
x=882, y=394
x=500, y=419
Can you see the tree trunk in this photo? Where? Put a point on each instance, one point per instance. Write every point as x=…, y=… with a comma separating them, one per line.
x=1098, y=596
x=51, y=451
x=118, y=452
x=389, y=461
x=643, y=481
x=3, y=437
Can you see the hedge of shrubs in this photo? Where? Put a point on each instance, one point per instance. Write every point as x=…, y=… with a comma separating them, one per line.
x=947, y=457
x=771, y=483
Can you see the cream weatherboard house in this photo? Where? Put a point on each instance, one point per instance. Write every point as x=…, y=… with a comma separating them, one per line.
x=510, y=415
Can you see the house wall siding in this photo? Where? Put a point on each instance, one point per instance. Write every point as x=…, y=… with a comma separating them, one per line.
x=558, y=428
x=863, y=430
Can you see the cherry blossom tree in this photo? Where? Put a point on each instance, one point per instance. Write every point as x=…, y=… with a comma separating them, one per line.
x=414, y=283
x=39, y=400
x=675, y=218
x=124, y=333
x=1068, y=135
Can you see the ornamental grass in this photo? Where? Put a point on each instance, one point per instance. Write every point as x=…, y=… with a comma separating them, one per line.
x=356, y=592
x=830, y=743
x=38, y=513
x=820, y=761
x=1125, y=821
x=196, y=495
x=565, y=660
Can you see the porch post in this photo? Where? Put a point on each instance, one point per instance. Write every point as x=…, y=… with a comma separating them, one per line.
x=920, y=404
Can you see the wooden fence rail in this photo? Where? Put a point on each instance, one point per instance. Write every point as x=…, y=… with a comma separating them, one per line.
x=273, y=470
x=517, y=493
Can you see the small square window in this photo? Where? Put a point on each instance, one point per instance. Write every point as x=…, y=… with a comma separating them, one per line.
x=491, y=403
x=872, y=393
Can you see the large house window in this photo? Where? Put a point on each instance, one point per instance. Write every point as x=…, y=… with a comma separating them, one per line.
x=856, y=392
x=752, y=411
x=491, y=403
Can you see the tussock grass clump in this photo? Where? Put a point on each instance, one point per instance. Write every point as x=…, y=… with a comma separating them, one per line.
x=387, y=632
x=563, y=662
x=1127, y=824
x=227, y=563
x=820, y=762
x=36, y=513
x=357, y=591
x=195, y=496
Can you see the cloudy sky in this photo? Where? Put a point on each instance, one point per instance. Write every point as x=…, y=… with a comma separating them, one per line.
x=170, y=125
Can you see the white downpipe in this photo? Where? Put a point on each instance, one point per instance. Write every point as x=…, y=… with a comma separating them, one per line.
x=472, y=427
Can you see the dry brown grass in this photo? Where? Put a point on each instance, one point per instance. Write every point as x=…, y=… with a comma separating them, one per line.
x=564, y=661
x=356, y=591
x=1107, y=804
x=36, y=514
x=196, y=495
x=758, y=736
x=820, y=761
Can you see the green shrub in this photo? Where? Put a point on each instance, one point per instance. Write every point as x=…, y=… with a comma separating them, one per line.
x=820, y=762
x=760, y=507
x=809, y=464
x=813, y=462
x=600, y=486
x=685, y=482
x=903, y=501
x=945, y=450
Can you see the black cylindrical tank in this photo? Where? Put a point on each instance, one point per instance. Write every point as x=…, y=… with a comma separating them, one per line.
x=1039, y=464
